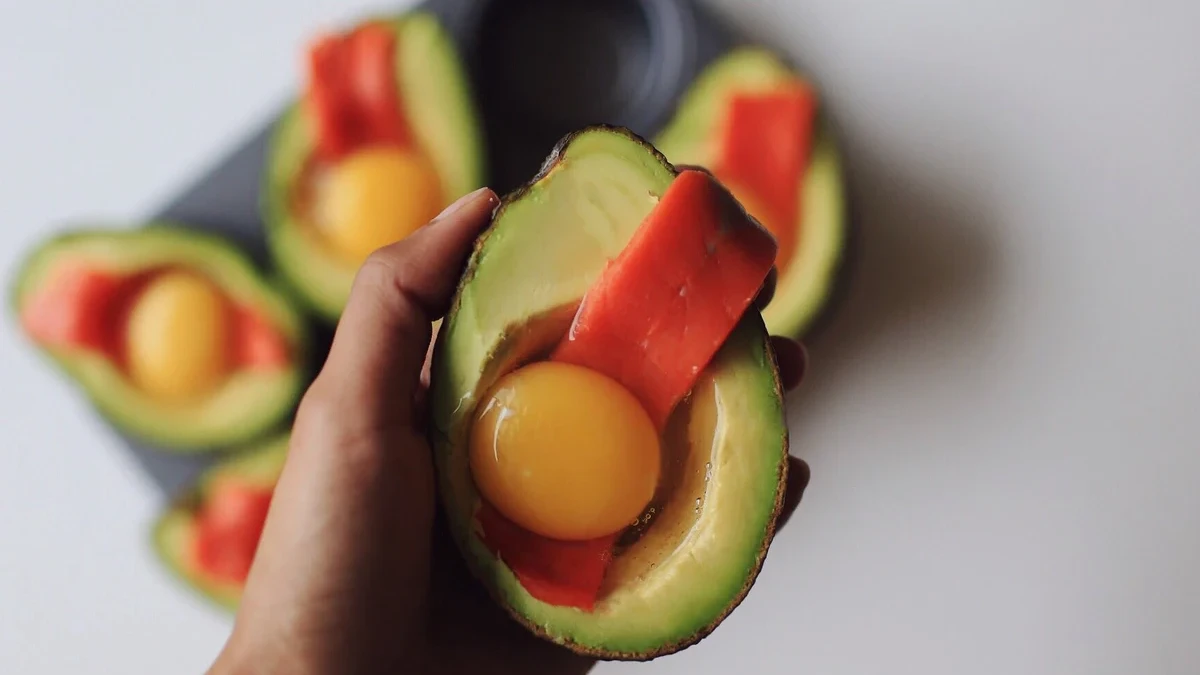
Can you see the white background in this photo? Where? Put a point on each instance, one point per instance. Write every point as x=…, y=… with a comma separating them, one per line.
x=1002, y=420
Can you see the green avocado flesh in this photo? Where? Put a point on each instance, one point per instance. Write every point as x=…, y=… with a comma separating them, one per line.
x=245, y=406
x=435, y=96
x=547, y=244
x=173, y=532
x=690, y=138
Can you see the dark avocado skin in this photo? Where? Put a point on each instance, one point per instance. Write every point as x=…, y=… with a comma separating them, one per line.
x=548, y=166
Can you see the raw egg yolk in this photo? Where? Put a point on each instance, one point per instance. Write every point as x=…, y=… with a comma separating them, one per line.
x=374, y=197
x=564, y=451
x=176, y=340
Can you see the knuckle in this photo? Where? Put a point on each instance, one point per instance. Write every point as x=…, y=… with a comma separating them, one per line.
x=317, y=408
x=379, y=270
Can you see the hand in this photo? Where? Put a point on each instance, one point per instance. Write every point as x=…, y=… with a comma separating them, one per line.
x=352, y=575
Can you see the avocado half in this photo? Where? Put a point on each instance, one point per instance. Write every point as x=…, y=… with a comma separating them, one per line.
x=436, y=99
x=805, y=289
x=259, y=464
x=548, y=242
x=246, y=406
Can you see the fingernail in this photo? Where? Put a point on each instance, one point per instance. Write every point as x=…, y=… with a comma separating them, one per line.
x=463, y=201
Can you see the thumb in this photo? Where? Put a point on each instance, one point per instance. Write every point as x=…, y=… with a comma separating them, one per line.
x=385, y=328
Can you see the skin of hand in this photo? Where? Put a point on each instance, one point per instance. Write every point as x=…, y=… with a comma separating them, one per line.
x=355, y=571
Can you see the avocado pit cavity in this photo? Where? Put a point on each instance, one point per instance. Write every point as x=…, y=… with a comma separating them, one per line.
x=581, y=573
x=174, y=334
x=369, y=183
x=385, y=134
x=565, y=452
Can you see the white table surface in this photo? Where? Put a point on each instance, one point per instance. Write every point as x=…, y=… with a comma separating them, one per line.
x=1002, y=421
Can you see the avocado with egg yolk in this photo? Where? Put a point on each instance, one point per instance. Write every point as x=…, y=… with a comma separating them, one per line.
x=209, y=533
x=699, y=546
x=172, y=334
x=817, y=234
x=385, y=136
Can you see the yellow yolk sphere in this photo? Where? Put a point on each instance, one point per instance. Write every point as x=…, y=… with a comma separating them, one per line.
x=177, y=337
x=375, y=197
x=564, y=451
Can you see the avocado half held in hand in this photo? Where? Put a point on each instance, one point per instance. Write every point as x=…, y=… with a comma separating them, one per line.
x=208, y=535
x=753, y=121
x=172, y=333
x=384, y=137
x=606, y=411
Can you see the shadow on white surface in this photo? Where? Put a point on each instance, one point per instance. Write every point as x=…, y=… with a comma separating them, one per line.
x=920, y=257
